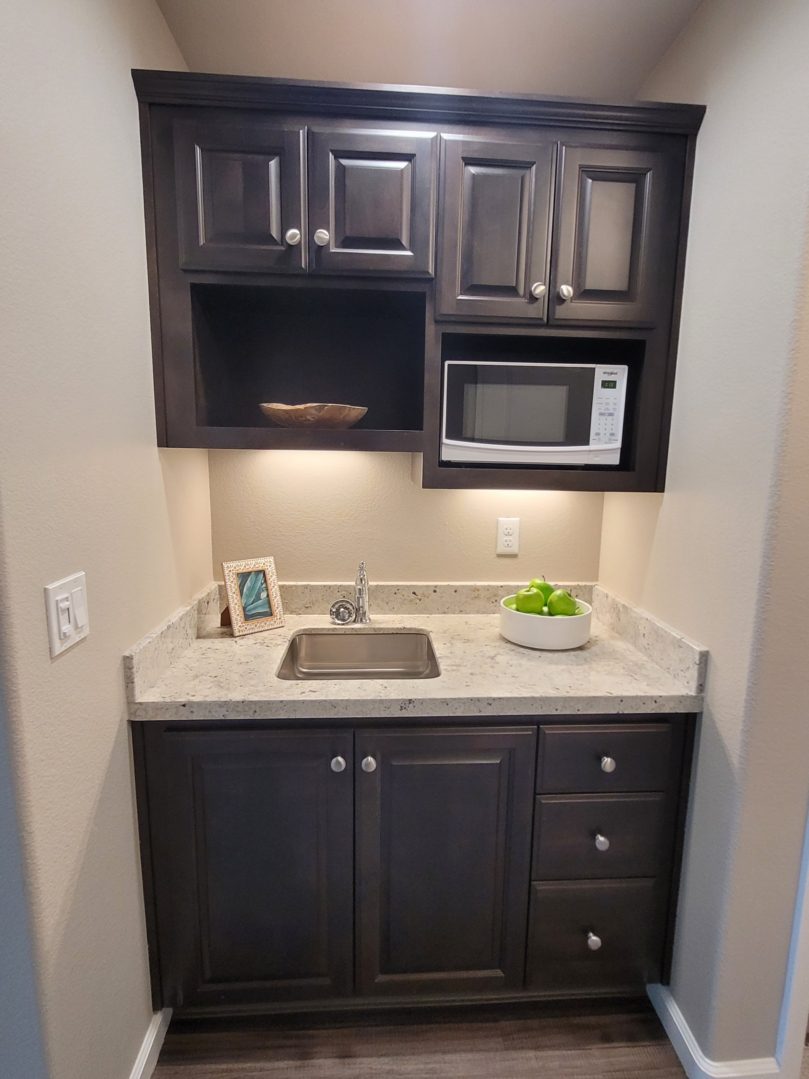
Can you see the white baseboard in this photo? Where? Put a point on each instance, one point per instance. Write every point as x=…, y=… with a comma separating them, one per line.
x=146, y=1061
x=692, y=1058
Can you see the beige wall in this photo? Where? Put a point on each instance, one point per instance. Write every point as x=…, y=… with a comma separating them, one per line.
x=319, y=513
x=580, y=47
x=83, y=487
x=715, y=556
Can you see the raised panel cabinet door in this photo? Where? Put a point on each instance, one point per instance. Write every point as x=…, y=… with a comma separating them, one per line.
x=372, y=200
x=617, y=227
x=494, y=227
x=239, y=195
x=442, y=859
x=252, y=836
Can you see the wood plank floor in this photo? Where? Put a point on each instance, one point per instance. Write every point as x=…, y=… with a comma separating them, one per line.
x=561, y=1042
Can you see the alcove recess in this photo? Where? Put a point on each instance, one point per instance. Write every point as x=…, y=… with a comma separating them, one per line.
x=490, y=344
x=357, y=346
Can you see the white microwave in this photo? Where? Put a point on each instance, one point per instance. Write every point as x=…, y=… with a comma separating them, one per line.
x=523, y=413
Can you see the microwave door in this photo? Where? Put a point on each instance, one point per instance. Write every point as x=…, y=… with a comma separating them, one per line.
x=522, y=413
x=518, y=405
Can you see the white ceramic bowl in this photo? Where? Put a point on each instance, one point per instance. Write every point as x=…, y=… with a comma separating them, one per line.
x=551, y=632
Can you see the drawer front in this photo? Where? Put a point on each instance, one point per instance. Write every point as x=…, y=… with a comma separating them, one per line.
x=606, y=758
x=586, y=836
x=621, y=917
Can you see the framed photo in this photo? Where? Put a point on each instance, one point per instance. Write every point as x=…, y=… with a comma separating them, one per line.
x=253, y=596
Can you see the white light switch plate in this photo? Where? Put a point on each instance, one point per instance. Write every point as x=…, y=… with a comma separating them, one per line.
x=66, y=608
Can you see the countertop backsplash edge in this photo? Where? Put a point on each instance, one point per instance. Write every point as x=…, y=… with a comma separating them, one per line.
x=148, y=660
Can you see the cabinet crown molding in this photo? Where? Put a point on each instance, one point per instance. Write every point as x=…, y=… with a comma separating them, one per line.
x=429, y=104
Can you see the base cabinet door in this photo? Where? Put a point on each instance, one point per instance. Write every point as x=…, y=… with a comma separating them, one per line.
x=443, y=859
x=252, y=855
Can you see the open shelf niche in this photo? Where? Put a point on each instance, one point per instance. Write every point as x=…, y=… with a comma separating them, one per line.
x=358, y=346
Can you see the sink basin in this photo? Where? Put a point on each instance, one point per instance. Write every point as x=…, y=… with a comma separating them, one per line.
x=359, y=653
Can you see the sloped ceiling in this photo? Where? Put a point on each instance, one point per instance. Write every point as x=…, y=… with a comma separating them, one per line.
x=581, y=48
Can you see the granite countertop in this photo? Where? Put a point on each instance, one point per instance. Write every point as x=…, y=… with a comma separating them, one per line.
x=189, y=670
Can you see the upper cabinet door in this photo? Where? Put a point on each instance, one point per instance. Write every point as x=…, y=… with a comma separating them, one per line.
x=239, y=201
x=372, y=200
x=617, y=225
x=495, y=208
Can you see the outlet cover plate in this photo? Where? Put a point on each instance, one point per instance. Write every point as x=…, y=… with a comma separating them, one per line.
x=508, y=535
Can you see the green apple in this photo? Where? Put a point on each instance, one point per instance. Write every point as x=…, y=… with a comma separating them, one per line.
x=529, y=601
x=541, y=585
x=545, y=611
x=510, y=602
x=561, y=602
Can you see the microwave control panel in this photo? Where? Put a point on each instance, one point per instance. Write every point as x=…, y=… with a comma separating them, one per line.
x=607, y=417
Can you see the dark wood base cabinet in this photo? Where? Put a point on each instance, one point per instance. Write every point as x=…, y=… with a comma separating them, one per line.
x=367, y=866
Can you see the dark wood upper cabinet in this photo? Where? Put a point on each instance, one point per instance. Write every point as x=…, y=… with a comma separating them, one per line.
x=279, y=213
x=239, y=195
x=443, y=859
x=372, y=200
x=617, y=227
x=494, y=228
x=253, y=858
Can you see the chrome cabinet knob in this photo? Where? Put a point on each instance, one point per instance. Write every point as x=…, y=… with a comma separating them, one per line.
x=539, y=288
x=608, y=764
x=565, y=293
x=338, y=764
x=593, y=942
x=601, y=841
x=368, y=764
x=321, y=237
x=293, y=237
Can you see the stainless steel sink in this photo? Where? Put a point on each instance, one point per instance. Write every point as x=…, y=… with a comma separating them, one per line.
x=359, y=653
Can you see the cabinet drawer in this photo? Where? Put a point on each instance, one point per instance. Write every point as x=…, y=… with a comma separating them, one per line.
x=620, y=914
x=585, y=836
x=604, y=758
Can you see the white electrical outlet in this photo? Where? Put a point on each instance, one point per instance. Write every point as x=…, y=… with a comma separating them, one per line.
x=66, y=607
x=508, y=535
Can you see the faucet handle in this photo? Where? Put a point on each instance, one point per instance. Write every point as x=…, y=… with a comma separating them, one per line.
x=342, y=611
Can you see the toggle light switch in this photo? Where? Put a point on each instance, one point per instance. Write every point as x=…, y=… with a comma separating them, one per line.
x=66, y=608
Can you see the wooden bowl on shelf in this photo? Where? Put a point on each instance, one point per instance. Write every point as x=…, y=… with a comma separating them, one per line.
x=315, y=414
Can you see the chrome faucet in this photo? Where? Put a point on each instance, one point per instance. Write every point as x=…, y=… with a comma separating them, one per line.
x=362, y=617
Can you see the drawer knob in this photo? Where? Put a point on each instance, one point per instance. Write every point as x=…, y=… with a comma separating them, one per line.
x=593, y=942
x=368, y=764
x=602, y=843
x=607, y=764
x=321, y=237
x=565, y=293
x=538, y=289
x=293, y=237
x=338, y=764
